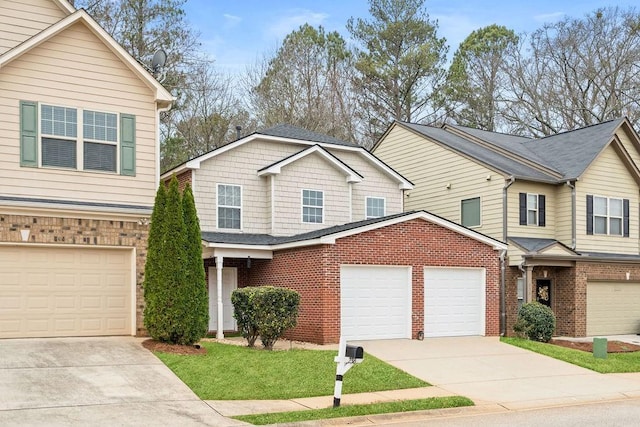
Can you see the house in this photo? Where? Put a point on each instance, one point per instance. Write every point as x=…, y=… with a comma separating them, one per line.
x=79, y=166
x=567, y=205
x=297, y=209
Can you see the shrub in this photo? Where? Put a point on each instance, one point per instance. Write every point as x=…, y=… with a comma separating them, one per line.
x=244, y=313
x=265, y=311
x=276, y=311
x=535, y=322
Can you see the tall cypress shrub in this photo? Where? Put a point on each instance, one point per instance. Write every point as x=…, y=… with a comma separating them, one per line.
x=152, y=277
x=195, y=279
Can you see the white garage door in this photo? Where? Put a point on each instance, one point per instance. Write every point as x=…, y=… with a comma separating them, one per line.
x=454, y=301
x=52, y=292
x=375, y=302
x=613, y=308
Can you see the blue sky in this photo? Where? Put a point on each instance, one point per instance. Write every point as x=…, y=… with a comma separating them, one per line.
x=237, y=32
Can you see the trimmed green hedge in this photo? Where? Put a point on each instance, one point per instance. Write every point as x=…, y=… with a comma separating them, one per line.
x=265, y=311
x=535, y=322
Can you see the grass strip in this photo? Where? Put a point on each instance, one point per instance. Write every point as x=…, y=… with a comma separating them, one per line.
x=229, y=372
x=614, y=363
x=358, y=410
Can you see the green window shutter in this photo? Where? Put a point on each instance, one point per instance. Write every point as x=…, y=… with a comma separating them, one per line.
x=127, y=144
x=28, y=134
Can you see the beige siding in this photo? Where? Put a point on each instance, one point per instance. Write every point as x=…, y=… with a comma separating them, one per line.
x=75, y=69
x=629, y=146
x=376, y=183
x=22, y=19
x=608, y=177
x=563, y=214
x=240, y=167
x=432, y=168
x=310, y=173
x=513, y=206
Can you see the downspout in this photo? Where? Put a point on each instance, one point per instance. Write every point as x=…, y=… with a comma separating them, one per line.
x=503, y=269
x=573, y=214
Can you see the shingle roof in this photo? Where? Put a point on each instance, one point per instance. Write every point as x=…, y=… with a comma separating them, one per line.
x=532, y=244
x=483, y=154
x=267, y=239
x=294, y=132
x=568, y=154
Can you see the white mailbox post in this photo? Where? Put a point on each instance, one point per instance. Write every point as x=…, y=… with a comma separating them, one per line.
x=347, y=356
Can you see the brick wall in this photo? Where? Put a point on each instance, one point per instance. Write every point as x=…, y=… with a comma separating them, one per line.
x=315, y=272
x=79, y=232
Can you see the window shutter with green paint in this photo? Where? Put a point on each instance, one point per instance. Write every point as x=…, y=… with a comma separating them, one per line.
x=127, y=144
x=28, y=134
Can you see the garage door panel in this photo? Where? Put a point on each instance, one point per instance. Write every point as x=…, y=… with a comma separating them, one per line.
x=454, y=301
x=613, y=308
x=65, y=292
x=375, y=302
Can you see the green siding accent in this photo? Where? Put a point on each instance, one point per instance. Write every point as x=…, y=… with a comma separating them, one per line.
x=28, y=134
x=127, y=144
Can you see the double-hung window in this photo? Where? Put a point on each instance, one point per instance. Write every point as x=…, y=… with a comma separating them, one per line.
x=312, y=206
x=532, y=209
x=470, y=212
x=375, y=207
x=608, y=215
x=229, y=206
x=76, y=138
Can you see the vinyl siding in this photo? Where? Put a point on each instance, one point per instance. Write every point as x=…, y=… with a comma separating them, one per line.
x=22, y=19
x=376, y=184
x=75, y=69
x=431, y=167
x=563, y=214
x=629, y=146
x=607, y=176
x=513, y=206
x=241, y=164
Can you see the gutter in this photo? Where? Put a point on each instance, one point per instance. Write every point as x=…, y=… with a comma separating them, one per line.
x=573, y=214
x=503, y=253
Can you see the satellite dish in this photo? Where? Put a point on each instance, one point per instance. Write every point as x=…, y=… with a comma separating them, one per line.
x=158, y=61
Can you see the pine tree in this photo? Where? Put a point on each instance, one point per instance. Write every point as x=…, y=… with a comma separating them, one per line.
x=195, y=279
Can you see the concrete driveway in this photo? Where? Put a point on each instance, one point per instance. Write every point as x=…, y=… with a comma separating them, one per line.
x=94, y=381
x=491, y=372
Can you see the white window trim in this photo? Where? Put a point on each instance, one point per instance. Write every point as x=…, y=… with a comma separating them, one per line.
x=225, y=206
x=471, y=198
x=302, y=206
x=537, y=209
x=608, y=216
x=366, y=204
x=80, y=140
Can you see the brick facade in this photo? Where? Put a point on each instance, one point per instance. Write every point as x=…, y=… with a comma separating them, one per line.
x=78, y=232
x=568, y=292
x=315, y=272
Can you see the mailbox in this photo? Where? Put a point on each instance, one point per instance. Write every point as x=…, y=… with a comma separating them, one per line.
x=354, y=352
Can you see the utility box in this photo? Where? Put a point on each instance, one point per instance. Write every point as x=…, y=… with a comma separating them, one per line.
x=600, y=348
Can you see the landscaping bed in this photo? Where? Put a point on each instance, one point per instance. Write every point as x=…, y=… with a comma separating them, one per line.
x=612, y=346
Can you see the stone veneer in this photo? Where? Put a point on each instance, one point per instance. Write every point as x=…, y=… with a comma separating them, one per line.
x=78, y=232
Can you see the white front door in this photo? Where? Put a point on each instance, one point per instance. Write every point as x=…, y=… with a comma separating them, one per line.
x=229, y=284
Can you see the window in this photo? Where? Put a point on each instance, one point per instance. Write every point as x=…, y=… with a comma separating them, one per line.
x=229, y=206
x=607, y=216
x=532, y=209
x=470, y=212
x=74, y=138
x=312, y=206
x=101, y=141
x=375, y=207
x=59, y=131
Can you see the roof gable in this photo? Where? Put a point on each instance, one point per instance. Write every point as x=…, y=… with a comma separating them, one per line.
x=276, y=168
x=162, y=96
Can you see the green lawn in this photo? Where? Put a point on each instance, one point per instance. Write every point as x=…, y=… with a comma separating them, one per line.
x=229, y=372
x=358, y=410
x=614, y=363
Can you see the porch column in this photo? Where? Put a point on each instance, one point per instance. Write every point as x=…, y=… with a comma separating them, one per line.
x=529, y=284
x=220, y=331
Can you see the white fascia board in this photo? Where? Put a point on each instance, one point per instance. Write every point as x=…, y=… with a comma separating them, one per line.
x=242, y=253
x=65, y=6
x=276, y=168
x=162, y=96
